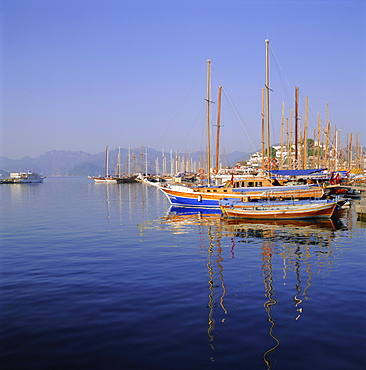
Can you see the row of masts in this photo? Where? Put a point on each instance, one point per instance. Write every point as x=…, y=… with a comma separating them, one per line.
x=322, y=149
x=169, y=163
x=297, y=149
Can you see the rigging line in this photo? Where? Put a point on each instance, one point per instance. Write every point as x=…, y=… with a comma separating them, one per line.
x=284, y=77
x=194, y=124
x=182, y=104
x=281, y=69
x=240, y=120
x=238, y=116
x=152, y=192
x=287, y=82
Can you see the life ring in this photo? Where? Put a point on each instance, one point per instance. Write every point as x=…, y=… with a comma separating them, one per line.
x=215, y=171
x=265, y=166
x=274, y=163
x=266, y=160
x=201, y=171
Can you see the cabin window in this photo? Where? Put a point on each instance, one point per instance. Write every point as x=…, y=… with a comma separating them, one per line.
x=215, y=191
x=225, y=191
x=258, y=184
x=251, y=184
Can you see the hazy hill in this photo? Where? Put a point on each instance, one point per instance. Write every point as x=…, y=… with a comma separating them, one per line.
x=70, y=163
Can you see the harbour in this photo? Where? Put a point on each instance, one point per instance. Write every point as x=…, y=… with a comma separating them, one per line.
x=114, y=275
x=223, y=226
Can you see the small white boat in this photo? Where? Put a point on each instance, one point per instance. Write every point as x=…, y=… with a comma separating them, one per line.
x=104, y=180
x=107, y=179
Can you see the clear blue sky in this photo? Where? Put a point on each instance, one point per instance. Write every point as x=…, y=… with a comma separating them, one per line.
x=82, y=74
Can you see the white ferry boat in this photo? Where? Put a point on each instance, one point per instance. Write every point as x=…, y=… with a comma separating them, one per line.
x=23, y=178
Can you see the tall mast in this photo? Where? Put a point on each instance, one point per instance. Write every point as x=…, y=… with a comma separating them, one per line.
x=119, y=162
x=291, y=162
x=296, y=123
x=218, y=127
x=336, y=150
x=318, y=143
x=106, y=161
x=358, y=152
x=129, y=161
x=305, y=162
x=142, y=160
x=282, y=133
x=208, y=101
x=267, y=101
x=350, y=154
x=288, y=146
x=327, y=134
x=171, y=162
x=263, y=129
x=145, y=159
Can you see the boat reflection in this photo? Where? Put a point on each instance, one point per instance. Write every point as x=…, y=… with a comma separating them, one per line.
x=295, y=247
x=331, y=224
x=181, y=219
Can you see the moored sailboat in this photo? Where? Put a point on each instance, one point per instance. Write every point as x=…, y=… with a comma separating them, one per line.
x=254, y=187
x=209, y=197
x=107, y=178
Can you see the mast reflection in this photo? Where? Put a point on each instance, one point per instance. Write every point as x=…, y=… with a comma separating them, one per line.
x=268, y=286
x=211, y=280
x=300, y=246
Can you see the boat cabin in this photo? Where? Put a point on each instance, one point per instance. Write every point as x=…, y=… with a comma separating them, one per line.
x=254, y=183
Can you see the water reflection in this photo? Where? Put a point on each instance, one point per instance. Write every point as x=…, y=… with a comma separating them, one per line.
x=268, y=286
x=291, y=241
x=123, y=202
x=295, y=247
x=22, y=192
x=211, y=282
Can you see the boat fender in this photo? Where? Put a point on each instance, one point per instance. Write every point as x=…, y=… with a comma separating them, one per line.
x=199, y=198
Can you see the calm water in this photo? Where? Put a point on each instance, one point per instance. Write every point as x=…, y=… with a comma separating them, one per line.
x=104, y=276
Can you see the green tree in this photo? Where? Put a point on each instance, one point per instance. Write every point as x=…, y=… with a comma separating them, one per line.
x=272, y=154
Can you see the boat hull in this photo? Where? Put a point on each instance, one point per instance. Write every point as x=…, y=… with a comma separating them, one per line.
x=103, y=180
x=30, y=181
x=23, y=178
x=189, y=197
x=281, y=212
x=126, y=179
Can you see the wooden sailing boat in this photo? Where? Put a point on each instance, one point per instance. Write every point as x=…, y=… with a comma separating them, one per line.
x=128, y=178
x=257, y=186
x=298, y=210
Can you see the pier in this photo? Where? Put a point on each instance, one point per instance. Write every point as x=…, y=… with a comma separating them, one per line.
x=360, y=205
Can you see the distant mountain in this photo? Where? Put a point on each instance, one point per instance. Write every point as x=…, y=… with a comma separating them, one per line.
x=4, y=174
x=70, y=163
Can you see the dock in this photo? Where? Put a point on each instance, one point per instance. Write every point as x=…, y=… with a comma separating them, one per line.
x=360, y=205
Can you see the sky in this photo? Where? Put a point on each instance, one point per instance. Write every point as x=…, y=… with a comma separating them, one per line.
x=82, y=74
